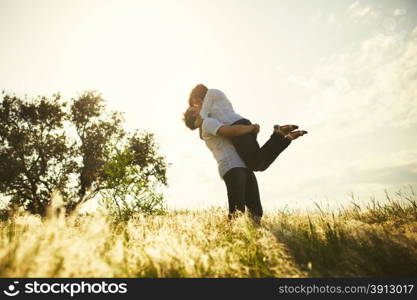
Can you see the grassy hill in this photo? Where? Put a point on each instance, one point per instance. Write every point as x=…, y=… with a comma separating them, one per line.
x=378, y=240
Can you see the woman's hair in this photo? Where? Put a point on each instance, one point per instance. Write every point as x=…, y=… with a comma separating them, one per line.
x=189, y=118
x=199, y=91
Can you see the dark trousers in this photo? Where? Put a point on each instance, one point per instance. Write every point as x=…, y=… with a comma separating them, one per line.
x=255, y=157
x=242, y=190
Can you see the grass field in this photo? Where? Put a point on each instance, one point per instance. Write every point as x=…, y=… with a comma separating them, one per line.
x=377, y=240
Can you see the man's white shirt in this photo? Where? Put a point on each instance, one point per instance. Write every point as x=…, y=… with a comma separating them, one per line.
x=217, y=106
x=223, y=150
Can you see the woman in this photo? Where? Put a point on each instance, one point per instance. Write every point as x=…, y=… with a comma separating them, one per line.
x=214, y=103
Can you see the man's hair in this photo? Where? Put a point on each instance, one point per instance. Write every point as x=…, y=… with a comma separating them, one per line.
x=189, y=118
x=199, y=91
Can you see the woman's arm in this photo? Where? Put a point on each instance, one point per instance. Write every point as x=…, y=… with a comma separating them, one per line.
x=206, y=107
x=200, y=133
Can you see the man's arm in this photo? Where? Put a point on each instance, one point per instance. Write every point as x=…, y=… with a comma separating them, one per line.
x=237, y=130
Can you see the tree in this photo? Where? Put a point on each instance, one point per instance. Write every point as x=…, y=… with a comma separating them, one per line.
x=131, y=176
x=50, y=144
x=95, y=130
x=35, y=157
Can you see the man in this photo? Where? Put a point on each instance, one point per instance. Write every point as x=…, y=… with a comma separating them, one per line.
x=241, y=183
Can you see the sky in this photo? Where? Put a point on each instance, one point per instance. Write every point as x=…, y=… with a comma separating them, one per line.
x=345, y=71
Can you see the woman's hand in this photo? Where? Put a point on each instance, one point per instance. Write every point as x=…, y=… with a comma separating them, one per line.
x=256, y=128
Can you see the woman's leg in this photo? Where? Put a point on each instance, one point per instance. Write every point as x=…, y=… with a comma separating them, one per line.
x=236, y=180
x=258, y=158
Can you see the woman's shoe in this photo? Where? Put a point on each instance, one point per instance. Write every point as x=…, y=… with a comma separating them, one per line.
x=295, y=134
x=284, y=129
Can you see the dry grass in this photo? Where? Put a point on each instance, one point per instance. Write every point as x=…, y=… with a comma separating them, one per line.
x=373, y=241
x=379, y=240
x=180, y=244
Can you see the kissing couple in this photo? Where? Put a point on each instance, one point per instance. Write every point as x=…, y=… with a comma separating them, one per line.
x=233, y=141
